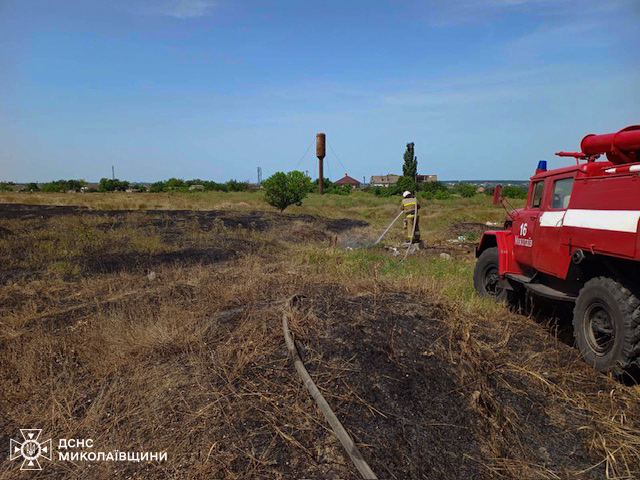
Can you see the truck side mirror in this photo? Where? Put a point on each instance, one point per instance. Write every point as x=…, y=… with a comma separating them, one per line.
x=497, y=195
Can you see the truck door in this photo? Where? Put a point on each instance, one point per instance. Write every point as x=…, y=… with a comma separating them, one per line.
x=549, y=256
x=524, y=226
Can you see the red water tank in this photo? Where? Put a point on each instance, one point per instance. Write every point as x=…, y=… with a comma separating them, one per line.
x=621, y=147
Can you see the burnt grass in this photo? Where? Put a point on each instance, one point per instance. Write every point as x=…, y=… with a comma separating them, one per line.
x=422, y=429
x=131, y=262
x=260, y=221
x=175, y=227
x=425, y=390
x=427, y=404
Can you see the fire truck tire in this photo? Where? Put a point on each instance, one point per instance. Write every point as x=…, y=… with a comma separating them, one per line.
x=486, y=276
x=606, y=325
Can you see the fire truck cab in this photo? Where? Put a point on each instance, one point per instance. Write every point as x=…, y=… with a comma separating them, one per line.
x=577, y=240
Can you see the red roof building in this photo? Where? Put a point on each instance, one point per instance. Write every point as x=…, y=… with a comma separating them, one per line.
x=347, y=180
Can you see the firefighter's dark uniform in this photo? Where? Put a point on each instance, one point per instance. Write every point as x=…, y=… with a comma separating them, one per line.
x=410, y=208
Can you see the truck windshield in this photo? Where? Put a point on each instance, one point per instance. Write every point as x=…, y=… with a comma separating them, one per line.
x=561, y=193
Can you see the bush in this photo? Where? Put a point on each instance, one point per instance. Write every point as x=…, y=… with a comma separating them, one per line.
x=465, y=190
x=32, y=187
x=235, y=186
x=511, y=191
x=284, y=189
x=339, y=190
x=214, y=186
x=326, y=185
x=382, y=191
x=6, y=186
x=432, y=187
x=442, y=195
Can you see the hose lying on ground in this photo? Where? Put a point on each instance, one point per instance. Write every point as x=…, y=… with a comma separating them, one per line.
x=343, y=436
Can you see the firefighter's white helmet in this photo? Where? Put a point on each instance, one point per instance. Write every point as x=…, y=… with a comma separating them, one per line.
x=406, y=194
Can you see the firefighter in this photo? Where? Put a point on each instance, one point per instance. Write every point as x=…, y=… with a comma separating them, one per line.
x=410, y=208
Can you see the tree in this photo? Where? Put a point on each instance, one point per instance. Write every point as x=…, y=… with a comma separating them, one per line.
x=406, y=183
x=158, y=187
x=410, y=167
x=112, y=185
x=284, y=189
x=174, y=184
x=63, y=185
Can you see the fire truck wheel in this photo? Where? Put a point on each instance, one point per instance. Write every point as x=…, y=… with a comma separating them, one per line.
x=605, y=323
x=486, y=277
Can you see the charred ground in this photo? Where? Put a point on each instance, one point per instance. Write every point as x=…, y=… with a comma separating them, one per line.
x=192, y=361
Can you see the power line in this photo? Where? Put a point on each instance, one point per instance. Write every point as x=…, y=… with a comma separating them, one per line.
x=305, y=154
x=336, y=155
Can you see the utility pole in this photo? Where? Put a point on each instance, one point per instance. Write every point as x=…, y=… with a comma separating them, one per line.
x=321, y=140
x=113, y=172
x=259, y=175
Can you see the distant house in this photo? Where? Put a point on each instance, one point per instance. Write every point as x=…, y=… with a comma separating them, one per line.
x=347, y=180
x=384, y=180
x=426, y=178
x=196, y=187
x=391, y=179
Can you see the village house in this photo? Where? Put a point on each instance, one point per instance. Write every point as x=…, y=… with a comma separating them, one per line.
x=347, y=180
x=384, y=180
x=391, y=179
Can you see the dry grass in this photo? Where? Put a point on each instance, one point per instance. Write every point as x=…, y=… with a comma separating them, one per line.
x=358, y=205
x=193, y=362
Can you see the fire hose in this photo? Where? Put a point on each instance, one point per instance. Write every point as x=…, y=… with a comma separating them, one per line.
x=345, y=439
x=413, y=231
x=387, y=229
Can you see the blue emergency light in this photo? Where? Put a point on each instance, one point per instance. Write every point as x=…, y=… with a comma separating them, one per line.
x=542, y=166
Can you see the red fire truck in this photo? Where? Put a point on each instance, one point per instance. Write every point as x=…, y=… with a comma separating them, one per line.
x=578, y=240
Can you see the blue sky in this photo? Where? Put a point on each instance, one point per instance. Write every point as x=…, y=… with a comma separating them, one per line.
x=213, y=89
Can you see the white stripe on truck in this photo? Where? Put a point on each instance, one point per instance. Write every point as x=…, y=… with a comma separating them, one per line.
x=552, y=219
x=611, y=220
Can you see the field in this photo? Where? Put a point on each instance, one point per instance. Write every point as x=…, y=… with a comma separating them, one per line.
x=152, y=323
